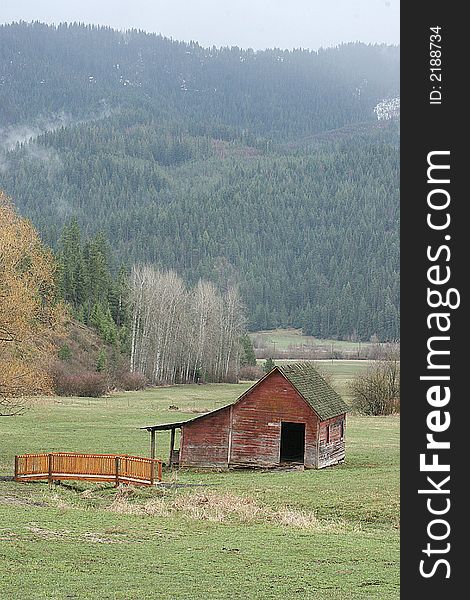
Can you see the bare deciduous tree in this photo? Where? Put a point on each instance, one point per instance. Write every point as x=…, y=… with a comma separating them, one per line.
x=181, y=335
x=377, y=390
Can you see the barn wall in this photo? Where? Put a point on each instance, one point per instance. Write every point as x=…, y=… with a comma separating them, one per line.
x=204, y=442
x=251, y=430
x=256, y=423
x=332, y=452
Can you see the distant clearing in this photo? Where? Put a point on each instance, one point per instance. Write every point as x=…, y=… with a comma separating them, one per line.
x=291, y=343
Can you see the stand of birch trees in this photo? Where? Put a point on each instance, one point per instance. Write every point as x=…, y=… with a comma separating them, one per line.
x=182, y=335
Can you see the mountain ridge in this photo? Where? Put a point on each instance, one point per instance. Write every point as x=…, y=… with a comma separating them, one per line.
x=284, y=175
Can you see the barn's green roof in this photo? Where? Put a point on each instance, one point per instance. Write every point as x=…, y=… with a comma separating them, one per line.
x=314, y=389
x=306, y=380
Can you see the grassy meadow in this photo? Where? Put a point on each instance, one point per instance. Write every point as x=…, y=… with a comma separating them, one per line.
x=282, y=340
x=251, y=535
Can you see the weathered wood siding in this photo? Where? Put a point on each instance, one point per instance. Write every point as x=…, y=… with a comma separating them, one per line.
x=257, y=421
x=248, y=433
x=204, y=442
x=332, y=445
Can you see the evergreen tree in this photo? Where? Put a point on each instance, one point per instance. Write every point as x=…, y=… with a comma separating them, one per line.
x=101, y=361
x=275, y=172
x=269, y=365
x=248, y=352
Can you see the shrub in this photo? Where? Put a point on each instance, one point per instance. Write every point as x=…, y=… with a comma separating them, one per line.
x=377, y=391
x=250, y=373
x=132, y=381
x=86, y=383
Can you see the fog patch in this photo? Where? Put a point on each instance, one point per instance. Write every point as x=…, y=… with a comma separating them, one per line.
x=24, y=137
x=14, y=135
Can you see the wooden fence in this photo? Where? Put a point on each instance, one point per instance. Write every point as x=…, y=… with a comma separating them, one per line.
x=115, y=468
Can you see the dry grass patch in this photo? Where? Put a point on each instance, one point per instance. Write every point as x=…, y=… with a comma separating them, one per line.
x=57, y=501
x=213, y=506
x=223, y=508
x=308, y=520
x=90, y=536
x=7, y=536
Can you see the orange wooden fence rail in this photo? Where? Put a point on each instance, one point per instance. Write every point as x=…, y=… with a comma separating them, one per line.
x=115, y=468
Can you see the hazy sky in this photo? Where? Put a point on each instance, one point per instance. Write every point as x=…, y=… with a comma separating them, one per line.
x=246, y=23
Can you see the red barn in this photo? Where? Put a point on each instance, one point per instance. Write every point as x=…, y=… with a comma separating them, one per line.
x=291, y=415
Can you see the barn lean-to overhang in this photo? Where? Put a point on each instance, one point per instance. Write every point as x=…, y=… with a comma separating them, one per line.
x=309, y=385
x=152, y=429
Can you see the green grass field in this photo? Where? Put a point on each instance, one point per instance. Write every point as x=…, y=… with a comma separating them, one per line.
x=283, y=339
x=319, y=535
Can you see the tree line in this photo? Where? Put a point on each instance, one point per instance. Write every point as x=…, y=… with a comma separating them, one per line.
x=311, y=234
x=175, y=334
x=270, y=165
x=81, y=71
x=182, y=335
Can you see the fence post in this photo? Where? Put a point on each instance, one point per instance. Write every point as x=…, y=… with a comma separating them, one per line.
x=117, y=465
x=159, y=470
x=152, y=443
x=16, y=468
x=49, y=464
x=172, y=446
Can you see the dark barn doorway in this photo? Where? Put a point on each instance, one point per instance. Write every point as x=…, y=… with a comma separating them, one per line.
x=292, y=442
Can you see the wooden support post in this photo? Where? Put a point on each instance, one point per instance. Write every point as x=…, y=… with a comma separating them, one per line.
x=16, y=468
x=230, y=430
x=152, y=443
x=159, y=470
x=172, y=446
x=50, y=466
x=117, y=461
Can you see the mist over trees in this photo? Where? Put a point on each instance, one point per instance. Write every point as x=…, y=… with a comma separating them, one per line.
x=182, y=335
x=271, y=163
x=87, y=69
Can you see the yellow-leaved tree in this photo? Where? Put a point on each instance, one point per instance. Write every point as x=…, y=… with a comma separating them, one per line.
x=29, y=313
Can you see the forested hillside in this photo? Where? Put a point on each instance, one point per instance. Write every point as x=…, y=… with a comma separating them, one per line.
x=269, y=169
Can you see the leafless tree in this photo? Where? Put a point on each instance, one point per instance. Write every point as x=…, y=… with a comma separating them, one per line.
x=181, y=335
x=377, y=390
